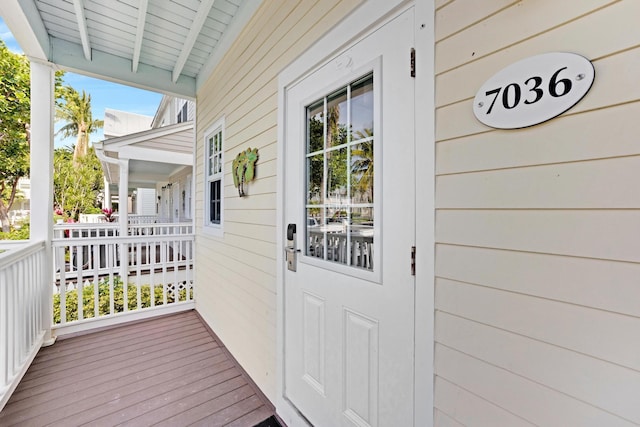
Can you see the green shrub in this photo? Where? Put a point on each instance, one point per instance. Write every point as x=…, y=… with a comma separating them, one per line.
x=92, y=210
x=17, y=233
x=104, y=299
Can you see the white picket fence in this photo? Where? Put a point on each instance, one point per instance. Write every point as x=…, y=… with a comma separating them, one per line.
x=110, y=276
x=25, y=292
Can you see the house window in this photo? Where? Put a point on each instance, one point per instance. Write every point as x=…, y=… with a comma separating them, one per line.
x=183, y=113
x=214, y=171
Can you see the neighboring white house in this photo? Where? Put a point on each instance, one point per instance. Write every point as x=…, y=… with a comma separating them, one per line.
x=157, y=185
x=120, y=123
x=116, y=124
x=175, y=197
x=480, y=276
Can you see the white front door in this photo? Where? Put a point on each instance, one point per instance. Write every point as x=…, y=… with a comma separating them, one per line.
x=350, y=191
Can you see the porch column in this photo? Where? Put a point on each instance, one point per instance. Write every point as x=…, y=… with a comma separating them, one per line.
x=106, y=203
x=123, y=194
x=123, y=219
x=42, y=113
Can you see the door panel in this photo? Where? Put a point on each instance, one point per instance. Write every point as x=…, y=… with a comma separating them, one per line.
x=350, y=189
x=360, y=368
x=314, y=341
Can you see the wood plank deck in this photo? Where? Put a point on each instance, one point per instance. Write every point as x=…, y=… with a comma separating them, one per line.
x=169, y=371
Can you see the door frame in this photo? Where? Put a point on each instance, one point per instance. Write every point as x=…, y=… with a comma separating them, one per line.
x=366, y=18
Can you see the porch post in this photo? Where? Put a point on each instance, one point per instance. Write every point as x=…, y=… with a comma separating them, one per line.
x=42, y=109
x=106, y=203
x=123, y=219
x=123, y=195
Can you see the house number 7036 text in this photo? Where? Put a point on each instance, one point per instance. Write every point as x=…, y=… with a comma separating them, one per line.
x=533, y=90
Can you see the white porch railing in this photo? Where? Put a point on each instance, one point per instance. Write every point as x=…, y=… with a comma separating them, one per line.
x=142, y=219
x=133, y=218
x=101, y=276
x=25, y=291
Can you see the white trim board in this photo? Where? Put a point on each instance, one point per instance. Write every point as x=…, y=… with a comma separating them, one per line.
x=153, y=155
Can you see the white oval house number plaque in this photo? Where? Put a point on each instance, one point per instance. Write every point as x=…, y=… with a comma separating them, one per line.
x=533, y=90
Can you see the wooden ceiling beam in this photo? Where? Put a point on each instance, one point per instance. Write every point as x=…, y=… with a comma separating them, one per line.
x=78, y=6
x=194, y=31
x=137, y=48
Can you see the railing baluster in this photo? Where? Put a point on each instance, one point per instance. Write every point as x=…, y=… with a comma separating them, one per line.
x=138, y=275
x=124, y=268
x=4, y=329
x=17, y=323
x=187, y=281
x=62, y=287
x=176, y=284
x=152, y=272
x=163, y=261
x=111, y=264
x=97, y=261
x=80, y=280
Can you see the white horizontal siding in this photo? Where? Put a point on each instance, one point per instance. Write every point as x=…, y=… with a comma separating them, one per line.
x=602, y=234
x=597, y=184
x=596, y=333
x=603, y=385
x=535, y=402
x=503, y=29
x=459, y=16
x=236, y=273
x=572, y=36
x=471, y=409
x=537, y=256
x=546, y=143
x=611, y=286
x=443, y=420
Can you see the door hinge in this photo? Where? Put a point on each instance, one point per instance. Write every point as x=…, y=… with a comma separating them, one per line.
x=413, y=62
x=413, y=260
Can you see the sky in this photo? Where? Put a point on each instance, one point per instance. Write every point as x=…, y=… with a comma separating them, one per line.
x=103, y=94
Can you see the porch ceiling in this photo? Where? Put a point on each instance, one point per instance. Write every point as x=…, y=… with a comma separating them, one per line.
x=161, y=45
x=142, y=174
x=154, y=155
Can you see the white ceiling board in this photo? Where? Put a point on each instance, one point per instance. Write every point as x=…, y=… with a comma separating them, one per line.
x=164, y=46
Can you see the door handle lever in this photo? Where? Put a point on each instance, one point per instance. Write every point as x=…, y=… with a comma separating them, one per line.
x=291, y=252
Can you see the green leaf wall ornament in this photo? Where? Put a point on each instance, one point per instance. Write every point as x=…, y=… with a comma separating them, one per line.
x=244, y=169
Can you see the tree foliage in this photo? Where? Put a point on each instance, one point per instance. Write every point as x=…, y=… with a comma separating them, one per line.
x=14, y=126
x=15, y=116
x=362, y=164
x=76, y=187
x=75, y=110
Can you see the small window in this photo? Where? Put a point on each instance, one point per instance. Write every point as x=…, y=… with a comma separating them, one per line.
x=183, y=113
x=214, y=174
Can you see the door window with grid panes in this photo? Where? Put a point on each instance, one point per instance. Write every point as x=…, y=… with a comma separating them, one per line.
x=340, y=176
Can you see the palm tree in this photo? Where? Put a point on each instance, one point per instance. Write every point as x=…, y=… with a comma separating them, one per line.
x=76, y=112
x=362, y=163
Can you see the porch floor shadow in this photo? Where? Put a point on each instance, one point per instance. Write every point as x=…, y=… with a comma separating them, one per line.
x=167, y=371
